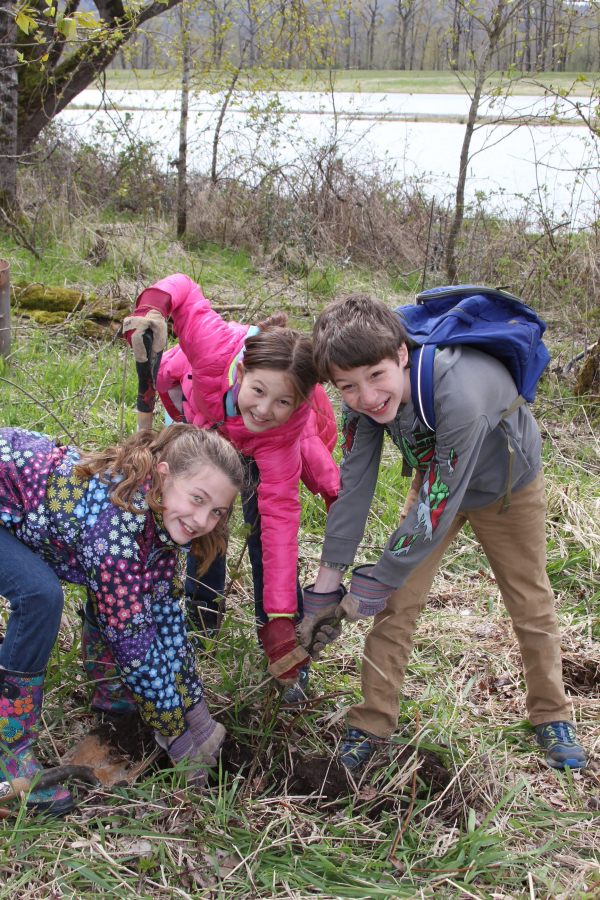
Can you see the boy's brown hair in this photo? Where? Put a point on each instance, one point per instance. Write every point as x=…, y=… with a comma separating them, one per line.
x=354, y=331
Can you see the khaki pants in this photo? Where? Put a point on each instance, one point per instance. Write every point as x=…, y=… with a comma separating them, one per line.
x=515, y=545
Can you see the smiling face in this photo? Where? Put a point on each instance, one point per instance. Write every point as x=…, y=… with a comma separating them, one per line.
x=376, y=391
x=194, y=504
x=266, y=398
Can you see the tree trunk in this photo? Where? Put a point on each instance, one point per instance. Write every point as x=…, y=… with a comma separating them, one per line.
x=183, y=123
x=455, y=228
x=528, y=37
x=456, y=27
x=9, y=98
x=213, y=172
x=45, y=93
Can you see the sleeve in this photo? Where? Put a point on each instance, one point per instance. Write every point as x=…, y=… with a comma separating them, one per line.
x=362, y=440
x=168, y=383
x=440, y=498
x=201, y=331
x=279, y=508
x=138, y=612
x=320, y=473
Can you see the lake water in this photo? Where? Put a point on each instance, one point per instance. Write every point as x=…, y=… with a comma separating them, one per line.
x=556, y=165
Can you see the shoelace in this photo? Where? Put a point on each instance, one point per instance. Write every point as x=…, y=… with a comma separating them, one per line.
x=357, y=745
x=561, y=733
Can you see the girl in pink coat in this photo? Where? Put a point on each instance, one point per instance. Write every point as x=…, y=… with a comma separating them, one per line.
x=257, y=385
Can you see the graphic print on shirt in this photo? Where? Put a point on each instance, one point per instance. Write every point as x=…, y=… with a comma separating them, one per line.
x=418, y=456
x=404, y=544
x=430, y=510
x=436, y=497
x=451, y=462
x=348, y=434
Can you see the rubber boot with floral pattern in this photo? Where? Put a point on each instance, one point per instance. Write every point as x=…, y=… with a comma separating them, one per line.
x=21, y=696
x=111, y=694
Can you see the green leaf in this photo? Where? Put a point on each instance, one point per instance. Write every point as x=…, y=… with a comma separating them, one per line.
x=84, y=19
x=25, y=23
x=66, y=26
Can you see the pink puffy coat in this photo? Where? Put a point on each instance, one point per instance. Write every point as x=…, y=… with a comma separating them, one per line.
x=300, y=449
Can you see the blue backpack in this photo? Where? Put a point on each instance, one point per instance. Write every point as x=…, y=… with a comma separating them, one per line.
x=493, y=321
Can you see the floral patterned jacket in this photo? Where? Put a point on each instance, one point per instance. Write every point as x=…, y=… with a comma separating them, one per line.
x=133, y=571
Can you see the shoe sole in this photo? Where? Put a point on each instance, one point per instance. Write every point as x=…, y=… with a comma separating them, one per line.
x=571, y=763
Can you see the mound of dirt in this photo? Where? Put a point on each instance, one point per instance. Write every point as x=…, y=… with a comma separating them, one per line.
x=432, y=771
x=319, y=775
x=127, y=735
x=236, y=756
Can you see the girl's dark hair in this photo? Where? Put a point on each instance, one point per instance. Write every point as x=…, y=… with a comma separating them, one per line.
x=185, y=448
x=354, y=331
x=281, y=348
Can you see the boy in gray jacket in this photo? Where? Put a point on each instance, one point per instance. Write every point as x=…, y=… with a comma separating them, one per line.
x=462, y=475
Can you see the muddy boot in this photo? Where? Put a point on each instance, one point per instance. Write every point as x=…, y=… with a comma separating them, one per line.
x=183, y=750
x=111, y=697
x=209, y=736
x=21, y=698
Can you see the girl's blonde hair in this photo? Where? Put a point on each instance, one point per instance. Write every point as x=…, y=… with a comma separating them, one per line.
x=185, y=448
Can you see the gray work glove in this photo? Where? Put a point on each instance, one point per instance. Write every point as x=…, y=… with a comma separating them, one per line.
x=366, y=596
x=319, y=614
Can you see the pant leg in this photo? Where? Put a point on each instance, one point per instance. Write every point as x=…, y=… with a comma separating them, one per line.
x=204, y=591
x=389, y=645
x=515, y=545
x=36, y=601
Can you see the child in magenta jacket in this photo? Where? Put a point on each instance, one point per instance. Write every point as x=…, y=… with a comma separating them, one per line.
x=257, y=386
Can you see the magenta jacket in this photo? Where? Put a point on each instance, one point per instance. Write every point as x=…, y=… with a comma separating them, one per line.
x=202, y=367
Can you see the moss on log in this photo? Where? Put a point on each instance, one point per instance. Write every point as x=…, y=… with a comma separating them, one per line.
x=49, y=305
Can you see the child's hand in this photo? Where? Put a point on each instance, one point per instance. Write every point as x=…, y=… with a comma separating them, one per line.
x=366, y=597
x=319, y=614
x=285, y=657
x=135, y=327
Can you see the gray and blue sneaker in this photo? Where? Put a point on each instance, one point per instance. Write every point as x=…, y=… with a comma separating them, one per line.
x=357, y=749
x=561, y=745
x=297, y=693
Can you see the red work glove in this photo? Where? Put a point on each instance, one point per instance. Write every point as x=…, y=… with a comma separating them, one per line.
x=285, y=656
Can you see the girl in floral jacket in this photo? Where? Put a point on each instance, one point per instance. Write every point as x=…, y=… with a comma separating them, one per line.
x=117, y=522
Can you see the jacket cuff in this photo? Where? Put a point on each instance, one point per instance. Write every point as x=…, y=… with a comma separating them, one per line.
x=339, y=549
x=153, y=298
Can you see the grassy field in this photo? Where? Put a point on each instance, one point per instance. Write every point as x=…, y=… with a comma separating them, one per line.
x=480, y=814
x=385, y=81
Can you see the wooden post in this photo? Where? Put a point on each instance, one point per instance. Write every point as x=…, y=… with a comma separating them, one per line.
x=4, y=307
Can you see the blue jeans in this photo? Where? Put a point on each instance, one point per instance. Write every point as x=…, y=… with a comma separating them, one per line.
x=204, y=591
x=36, y=600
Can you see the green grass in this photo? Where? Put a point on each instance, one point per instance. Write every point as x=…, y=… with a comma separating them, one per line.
x=385, y=81
x=505, y=827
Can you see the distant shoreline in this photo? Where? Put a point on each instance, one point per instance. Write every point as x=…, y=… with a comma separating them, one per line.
x=535, y=121
x=378, y=82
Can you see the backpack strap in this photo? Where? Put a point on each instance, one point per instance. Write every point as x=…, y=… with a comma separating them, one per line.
x=421, y=384
x=514, y=406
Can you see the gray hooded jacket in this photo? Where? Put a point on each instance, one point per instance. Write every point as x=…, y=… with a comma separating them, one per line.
x=465, y=462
